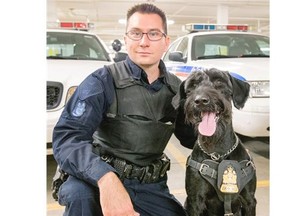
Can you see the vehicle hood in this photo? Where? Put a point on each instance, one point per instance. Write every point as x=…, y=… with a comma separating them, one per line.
x=244, y=68
x=72, y=71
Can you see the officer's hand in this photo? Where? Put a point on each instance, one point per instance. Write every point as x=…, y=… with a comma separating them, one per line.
x=114, y=199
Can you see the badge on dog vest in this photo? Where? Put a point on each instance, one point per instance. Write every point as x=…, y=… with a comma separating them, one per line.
x=227, y=176
x=229, y=182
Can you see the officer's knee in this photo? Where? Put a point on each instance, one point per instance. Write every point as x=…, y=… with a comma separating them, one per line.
x=74, y=189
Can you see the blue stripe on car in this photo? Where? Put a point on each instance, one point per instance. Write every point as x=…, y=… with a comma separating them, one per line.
x=189, y=69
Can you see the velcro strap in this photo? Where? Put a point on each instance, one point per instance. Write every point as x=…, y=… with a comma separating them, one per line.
x=227, y=205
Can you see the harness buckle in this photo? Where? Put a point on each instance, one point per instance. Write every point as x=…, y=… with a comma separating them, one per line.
x=215, y=156
x=203, y=168
x=251, y=163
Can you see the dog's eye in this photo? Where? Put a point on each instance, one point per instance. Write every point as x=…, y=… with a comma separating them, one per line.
x=192, y=86
x=188, y=91
x=218, y=83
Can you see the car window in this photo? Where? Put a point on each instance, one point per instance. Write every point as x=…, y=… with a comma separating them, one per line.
x=180, y=46
x=229, y=45
x=172, y=48
x=64, y=45
x=183, y=47
x=264, y=46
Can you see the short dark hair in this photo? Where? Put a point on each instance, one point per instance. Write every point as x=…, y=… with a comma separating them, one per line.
x=146, y=8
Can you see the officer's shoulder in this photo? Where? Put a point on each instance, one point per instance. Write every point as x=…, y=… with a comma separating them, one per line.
x=93, y=84
x=173, y=80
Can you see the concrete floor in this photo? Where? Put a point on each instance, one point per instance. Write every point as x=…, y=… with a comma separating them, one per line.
x=176, y=176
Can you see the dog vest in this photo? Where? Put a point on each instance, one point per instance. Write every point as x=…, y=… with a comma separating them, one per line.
x=227, y=177
x=138, y=124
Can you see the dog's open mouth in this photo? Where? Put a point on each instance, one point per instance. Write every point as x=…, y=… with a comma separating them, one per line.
x=207, y=126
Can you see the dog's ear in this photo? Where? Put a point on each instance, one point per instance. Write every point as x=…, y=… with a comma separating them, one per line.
x=240, y=92
x=179, y=96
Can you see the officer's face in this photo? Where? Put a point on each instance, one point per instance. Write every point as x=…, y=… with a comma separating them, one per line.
x=145, y=52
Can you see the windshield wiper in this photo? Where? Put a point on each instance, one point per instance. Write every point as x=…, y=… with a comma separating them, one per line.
x=255, y=55
x=77, y=58
x=215, y=56
x=55, y=57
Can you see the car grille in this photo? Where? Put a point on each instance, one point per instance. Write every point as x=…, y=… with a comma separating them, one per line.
x=54, y=94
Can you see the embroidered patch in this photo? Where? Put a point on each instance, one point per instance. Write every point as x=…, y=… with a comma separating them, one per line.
x=79, y=109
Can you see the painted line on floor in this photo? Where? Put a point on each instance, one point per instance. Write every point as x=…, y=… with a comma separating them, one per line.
x=263, y=183
x=177, y=154
x=54, y=206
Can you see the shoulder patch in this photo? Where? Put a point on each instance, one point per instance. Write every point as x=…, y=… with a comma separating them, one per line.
x=79, y=109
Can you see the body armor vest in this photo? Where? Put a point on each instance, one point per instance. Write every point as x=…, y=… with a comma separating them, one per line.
x=138, y=124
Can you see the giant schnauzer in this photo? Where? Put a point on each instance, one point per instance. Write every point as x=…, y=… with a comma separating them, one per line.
x=220, y=174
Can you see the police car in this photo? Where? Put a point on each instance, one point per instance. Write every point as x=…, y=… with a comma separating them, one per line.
x=231, y=48
x=71, y=56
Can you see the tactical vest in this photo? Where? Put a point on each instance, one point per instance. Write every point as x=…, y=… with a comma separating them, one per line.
x=138, y=124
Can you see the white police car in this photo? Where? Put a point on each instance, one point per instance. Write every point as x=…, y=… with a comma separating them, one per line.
x=231, y=48
x=71, y=56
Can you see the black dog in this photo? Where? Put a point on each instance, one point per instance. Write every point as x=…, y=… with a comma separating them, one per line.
x=220, y=174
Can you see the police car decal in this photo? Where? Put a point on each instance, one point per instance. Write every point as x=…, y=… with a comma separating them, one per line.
x=184, y=71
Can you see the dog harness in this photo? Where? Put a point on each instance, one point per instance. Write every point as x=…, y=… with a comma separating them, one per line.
x=228, y=177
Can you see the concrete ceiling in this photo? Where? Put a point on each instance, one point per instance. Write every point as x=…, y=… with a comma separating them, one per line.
x=104, y=14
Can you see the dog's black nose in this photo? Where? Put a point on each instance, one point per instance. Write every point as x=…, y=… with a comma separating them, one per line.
x=201, y=100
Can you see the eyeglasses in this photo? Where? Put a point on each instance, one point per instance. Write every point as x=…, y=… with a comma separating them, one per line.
x=153, y=35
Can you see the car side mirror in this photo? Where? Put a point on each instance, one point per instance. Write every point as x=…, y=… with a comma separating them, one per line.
x=176, y=56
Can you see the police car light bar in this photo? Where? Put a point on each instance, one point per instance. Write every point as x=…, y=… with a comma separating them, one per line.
x=71, y=25
x=214, y=27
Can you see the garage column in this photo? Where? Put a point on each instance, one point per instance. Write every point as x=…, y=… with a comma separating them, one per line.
x=222, y=14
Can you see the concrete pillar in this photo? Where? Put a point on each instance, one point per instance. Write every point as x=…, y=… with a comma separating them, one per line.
x=222, y=14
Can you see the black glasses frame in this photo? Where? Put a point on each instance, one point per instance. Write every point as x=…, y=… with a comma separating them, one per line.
x=147, y=33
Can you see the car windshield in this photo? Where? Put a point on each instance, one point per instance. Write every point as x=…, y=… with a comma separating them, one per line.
x=66, y=45
x=229, y=46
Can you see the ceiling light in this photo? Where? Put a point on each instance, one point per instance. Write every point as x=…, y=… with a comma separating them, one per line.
x=122, y=21
x=170, y=22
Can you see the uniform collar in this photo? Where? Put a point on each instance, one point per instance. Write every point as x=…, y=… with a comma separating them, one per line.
x=137, y=71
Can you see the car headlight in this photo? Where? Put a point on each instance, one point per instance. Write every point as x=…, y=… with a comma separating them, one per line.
x=259, y=89
x=70, y=92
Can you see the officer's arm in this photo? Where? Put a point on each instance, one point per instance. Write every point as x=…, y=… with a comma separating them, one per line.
x=114, y=198
x=72, y=135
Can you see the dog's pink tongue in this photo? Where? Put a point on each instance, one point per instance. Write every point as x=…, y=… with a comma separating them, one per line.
x=207, y=126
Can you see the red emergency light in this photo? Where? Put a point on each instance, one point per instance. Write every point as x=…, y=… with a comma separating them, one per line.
x=74, y=25
x=237, y=27
x=80, y=25
x=66, y=24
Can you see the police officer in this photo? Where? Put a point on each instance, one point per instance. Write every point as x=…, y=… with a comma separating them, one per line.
x=113, y=131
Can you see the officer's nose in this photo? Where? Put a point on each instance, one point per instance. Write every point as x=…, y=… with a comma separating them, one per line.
x=144, y=40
